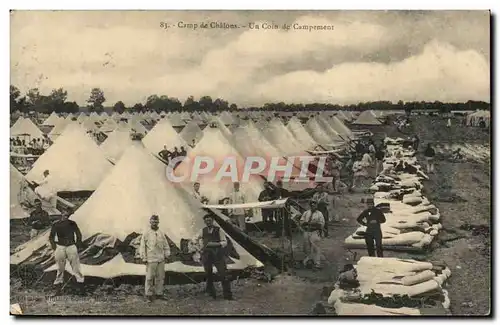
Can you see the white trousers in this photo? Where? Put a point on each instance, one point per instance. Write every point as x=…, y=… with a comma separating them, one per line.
x=155, y=276
x=69, y=253
x=311, y=241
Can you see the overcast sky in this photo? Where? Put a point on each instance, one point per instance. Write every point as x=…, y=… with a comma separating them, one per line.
x=367, y=56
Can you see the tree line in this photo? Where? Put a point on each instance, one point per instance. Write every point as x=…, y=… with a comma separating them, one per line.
x=56, y=101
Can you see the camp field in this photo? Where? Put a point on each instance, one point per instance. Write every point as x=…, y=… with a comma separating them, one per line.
x=462, y=192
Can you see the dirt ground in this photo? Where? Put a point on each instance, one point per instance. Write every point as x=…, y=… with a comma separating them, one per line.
x=299, y=291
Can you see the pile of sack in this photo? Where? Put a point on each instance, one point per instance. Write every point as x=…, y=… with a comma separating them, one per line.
x=392, y=286
x=412, y=221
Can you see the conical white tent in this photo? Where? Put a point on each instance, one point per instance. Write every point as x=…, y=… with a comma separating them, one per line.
x=19, y=192
x=75, y=162
x=340, y=127
x=334, y=135
x=220, y=125
x=89, y=125
x=137, y=127
x=108, y=126
x=163, y=134
x=300, y=133
x=176, y=120
x=216, y=146
x=317, y=132
x=53, y=119
x=116, y=143
x=250, y=142
x=367, y=118
x=121, y=207
x=226, y=118
x=81, y=118
x=191, y=132
x=60, y=127
x=25, y=126
x=283, y=139
x=154, y=115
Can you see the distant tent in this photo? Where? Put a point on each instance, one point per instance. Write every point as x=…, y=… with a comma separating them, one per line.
x=191, y=132
x=283, y=139
x=163, y=134
x=335, y=137
x=24, y=126
x=250, y=142
x=75, y=162
x=59, y=128
x=108, y=125
x=340, y=127
x=300, y=133
x=317, y=132
x=155, y=115
x=227, y=118
x=224, y=129
x=215, y=145
x=367, y=118
x=137, y=127
x=53, y=119
x=116, y=143
x=176, y=120
x=118, y=212
x=81, y=118
x=19, y=193
x=89, y=125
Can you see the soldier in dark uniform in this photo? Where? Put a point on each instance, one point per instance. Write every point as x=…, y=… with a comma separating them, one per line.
x=213, y=253
x=372, y=218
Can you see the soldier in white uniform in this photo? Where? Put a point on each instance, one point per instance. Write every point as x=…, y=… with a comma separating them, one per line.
x=312, y=222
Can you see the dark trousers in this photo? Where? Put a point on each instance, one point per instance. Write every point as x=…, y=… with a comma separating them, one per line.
x=211, y=258
x=282, y=223
x=323, y=208
x=268, y=219
x=374, y=239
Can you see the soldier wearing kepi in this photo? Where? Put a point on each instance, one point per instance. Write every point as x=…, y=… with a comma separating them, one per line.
x=372, y=218
x=213, y=253
x=154, y=250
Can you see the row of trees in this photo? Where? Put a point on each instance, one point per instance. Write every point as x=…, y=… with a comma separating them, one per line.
x=57, y=101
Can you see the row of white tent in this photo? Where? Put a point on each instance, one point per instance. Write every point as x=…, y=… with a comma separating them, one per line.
x=86, y=163
x=189, y=124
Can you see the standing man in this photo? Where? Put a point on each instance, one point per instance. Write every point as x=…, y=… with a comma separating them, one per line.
x=45, y=190
x=69, y=238
x=197, y=195
x=323, y=200
x=154, y=250
x=336, y=166
x=312, y=223
x=379, y=159
x=429, y=154
x=238, y=214
x=213, y=253
x=267, y=214
x=372, y=218
x=38, y=219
